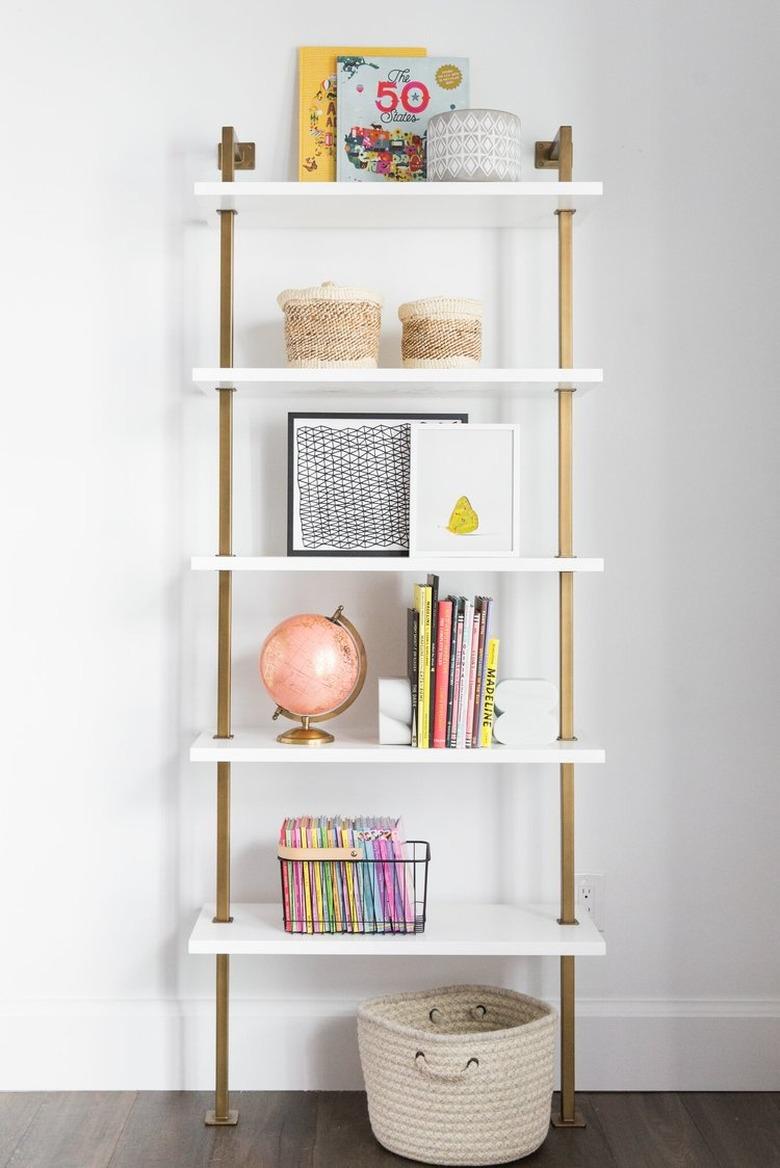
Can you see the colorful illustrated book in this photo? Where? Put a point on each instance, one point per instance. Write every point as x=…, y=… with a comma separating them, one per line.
x=317, y=104
x=384, y=106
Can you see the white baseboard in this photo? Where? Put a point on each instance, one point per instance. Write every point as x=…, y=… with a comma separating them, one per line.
x=622, y=1045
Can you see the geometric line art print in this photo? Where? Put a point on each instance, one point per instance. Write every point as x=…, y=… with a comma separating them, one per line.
x=353, y=486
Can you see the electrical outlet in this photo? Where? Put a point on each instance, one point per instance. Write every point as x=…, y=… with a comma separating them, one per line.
x=590, y=896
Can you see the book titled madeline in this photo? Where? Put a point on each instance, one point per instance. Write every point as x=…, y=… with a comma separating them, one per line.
x=452, y=661
x=384, y=106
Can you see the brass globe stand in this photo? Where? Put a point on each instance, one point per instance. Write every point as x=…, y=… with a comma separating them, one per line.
x=306, y=734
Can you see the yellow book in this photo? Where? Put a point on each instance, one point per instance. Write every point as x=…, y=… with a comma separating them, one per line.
x=488, y=707
x=317, y=105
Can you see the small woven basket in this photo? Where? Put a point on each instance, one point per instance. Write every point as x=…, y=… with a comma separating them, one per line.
x=461, y=1075
x=441, y=332
x=331, y=327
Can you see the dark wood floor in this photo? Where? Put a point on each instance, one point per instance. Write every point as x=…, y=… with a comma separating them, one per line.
x=287, y=1129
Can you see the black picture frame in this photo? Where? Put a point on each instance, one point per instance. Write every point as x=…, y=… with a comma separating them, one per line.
x=292, y=486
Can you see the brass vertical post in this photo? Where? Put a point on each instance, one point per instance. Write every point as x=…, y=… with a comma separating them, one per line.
x=232, y=154
x=559, y=155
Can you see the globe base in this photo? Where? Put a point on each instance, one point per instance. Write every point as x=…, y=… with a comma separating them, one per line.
x=305, y=736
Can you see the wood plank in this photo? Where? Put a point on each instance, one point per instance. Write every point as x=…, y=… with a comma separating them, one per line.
x=74, y=1129
x=646, y=1130
x=17, y=1111
x=165, y=1129
x=740, y=1127
x=344, y=1136
x=295, y=1129
x=574, y=1147
x=275, y=1128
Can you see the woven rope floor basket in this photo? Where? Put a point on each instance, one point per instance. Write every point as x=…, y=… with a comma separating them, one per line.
x=331, y=327
x=441, y=332
x=461, y=1075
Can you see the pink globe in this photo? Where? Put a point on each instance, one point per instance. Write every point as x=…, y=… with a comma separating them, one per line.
x=309, y=664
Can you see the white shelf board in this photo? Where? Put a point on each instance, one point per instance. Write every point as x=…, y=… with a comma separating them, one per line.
x=405, y=564
x=270, y=383
x=400, y=205
x=471, y=930
x=260, y=745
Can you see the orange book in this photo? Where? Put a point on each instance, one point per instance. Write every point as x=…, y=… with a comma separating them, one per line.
x=443, y=635
x=317, y=105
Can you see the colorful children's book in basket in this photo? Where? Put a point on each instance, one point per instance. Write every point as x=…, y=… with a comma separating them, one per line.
x=354, y=875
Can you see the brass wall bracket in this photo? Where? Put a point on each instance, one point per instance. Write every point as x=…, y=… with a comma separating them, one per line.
x=243, y=156
x=556, y=155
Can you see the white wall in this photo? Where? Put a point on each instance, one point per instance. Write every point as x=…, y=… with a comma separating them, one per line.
x=109, y=112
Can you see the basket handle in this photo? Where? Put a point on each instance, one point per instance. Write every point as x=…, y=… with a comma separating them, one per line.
x=477, y=1013
x=421, y=1063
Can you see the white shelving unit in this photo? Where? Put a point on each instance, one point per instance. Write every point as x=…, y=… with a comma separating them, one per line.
x=475, y=930
x=261, y=746
x=470, y=930
x=402, y=206
x=403, y=564
x=288, y=383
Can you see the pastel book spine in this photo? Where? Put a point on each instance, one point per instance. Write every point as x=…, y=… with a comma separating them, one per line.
x=453, y=739
x=433, y=584
x=479, y=694
x=469, y=719
x=465, y=666
x=488, y=709
x=412, y=638
x=443, y=629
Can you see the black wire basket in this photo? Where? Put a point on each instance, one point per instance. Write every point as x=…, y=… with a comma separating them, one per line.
x=340, y=890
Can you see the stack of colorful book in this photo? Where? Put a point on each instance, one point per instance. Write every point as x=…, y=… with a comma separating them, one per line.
x=342, y=875
x=452, y=659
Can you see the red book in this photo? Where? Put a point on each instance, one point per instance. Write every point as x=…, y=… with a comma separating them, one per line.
x=443, y=631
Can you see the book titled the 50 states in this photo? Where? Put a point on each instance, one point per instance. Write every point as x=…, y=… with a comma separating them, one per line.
x=317, y=97
x=384, y=106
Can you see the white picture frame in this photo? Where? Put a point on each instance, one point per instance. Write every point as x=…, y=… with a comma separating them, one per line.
x=479, y=463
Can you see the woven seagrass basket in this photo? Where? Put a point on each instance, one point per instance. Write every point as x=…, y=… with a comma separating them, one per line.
x=461, y=1075
x=331, y=327
x=441, y=332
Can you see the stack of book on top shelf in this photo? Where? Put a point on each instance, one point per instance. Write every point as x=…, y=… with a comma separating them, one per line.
x=452, y=658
